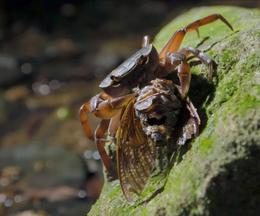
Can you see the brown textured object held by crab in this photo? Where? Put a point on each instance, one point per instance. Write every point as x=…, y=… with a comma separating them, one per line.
x=140, y=108
x=152, y=126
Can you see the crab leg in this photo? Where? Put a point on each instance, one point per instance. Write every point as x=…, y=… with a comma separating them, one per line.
x=170, y=63
x=100, y=142
x=87, y=107
x=104, y=109
x=184, y=75
x=109, y=108
x=205, y=59
x=172, y=60
x=176, y=40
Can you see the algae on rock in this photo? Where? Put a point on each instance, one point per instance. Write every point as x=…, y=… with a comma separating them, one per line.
x=219, y=175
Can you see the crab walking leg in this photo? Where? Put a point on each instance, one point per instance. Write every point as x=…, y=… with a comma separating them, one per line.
x=172, y=60
x=100, y=142
x=110, y=107
x=87, y=107
x=205, y=59
x=177, y=38
x=184, y=75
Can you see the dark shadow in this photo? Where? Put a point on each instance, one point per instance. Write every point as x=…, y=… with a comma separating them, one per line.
x=236, y=190
x=201, y=91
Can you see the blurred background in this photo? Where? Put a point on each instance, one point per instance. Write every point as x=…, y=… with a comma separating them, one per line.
x=53, y=54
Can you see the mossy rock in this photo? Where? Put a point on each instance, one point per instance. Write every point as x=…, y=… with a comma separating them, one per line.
x=220, y=174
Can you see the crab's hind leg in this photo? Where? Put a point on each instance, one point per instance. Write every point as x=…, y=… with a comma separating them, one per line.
x=105, y=108
x=90, y=107
x=204, y=58
x=177, y=38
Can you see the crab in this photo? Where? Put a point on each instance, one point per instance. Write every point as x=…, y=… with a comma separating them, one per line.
x=130, y=98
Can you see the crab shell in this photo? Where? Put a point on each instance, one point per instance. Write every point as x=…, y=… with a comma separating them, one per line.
x=132, y=72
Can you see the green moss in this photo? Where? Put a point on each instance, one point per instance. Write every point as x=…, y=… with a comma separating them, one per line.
x=206, y=144
x=227, y=58
x=242, y=103
x=229, y=143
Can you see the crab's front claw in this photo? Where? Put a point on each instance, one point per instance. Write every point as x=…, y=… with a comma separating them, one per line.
x=108, y=109
x=85, y=108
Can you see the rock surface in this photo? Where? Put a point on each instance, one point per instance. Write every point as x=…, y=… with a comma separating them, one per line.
x=219, y=175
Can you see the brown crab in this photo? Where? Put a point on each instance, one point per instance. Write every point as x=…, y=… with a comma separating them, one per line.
x=131, y=108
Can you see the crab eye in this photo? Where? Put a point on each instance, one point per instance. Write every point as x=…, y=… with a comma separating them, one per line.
x=114, y=78
x=116, y=81
x=144, y=60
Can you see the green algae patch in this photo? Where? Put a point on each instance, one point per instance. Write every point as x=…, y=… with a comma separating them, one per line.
x=206, y=144
x=219, y=174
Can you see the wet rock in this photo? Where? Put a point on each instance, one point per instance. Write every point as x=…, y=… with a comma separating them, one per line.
x=219, y=174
